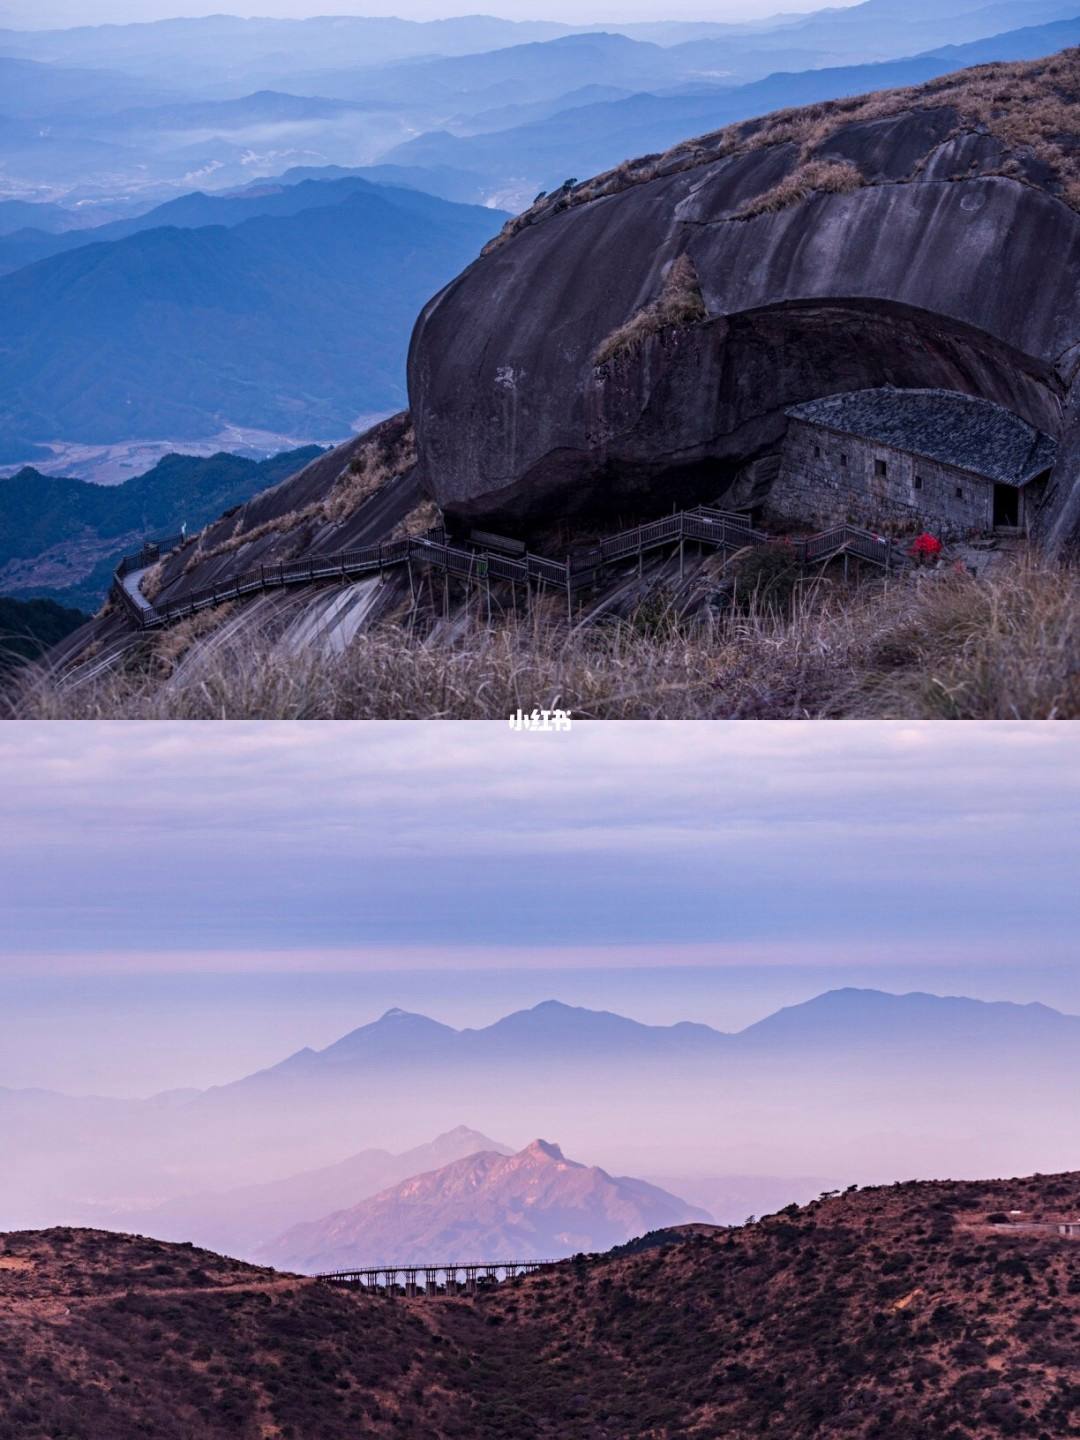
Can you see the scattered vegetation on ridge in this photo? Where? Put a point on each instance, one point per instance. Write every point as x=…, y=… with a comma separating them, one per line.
x=1030, y=106
x=378, y=461
x=887, y=1313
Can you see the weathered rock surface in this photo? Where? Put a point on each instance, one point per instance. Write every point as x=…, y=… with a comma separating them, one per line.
x=951, y=260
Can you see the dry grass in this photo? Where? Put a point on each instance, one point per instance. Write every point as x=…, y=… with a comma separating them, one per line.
x=378, y=462
x=419, y=521
x=939, y=646
x=679, y=303
x=278, y=525
x=172, y=644
x=1030, y=106
x=152, y=581
x=373, y=467
x=1002, y=649
x=829, y=177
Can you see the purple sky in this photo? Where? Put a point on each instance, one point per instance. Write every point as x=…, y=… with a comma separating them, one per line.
x=307, y=876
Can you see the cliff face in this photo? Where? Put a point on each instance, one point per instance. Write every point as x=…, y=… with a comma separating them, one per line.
x=923, y=238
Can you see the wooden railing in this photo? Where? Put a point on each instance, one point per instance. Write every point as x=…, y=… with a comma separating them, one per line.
x=466, y=1277
x=719, y=529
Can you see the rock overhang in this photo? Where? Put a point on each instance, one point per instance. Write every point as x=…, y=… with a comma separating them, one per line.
x=937, y=280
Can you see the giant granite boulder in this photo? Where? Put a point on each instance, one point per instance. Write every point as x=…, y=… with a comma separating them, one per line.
x=634, y=342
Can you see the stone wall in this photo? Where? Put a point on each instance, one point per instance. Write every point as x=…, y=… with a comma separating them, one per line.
x=826, y=479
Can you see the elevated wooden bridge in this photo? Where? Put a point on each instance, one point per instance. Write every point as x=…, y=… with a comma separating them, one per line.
x=413, y=1281
x=703, y=526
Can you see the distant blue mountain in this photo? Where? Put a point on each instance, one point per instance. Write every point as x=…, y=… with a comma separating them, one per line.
x=593, y=138
x=30, y=89
x=192, y=212
x=853, y=1018
x=24, y=214
x=294, y=323
x=53, y=527
x=838, y=1023
x=1027, y=44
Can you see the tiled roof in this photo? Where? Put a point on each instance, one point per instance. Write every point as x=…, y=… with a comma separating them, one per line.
x=959, y=430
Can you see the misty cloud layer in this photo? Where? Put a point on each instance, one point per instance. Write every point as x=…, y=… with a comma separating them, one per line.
x=312, y=847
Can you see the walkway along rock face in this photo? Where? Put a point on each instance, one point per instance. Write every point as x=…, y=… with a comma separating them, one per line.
x=898, y=240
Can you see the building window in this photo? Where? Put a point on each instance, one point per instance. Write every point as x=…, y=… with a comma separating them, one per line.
x=959, y=492
x=843, y=458
x=880, y=467
x=918, y=482
x=817, y=452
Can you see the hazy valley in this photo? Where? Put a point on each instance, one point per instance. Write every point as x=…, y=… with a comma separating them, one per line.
x=855, y=1086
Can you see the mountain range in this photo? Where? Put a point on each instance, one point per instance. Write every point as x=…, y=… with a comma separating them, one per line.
x=62, y=539
x=282, y=302
x=242, y=1220
x=857, y=1021
x=853, y=1085
x=581, y=140
x=295, y=323
x=534, y=1205
x=100, y=115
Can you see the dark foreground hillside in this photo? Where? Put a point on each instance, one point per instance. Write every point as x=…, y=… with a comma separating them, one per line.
x=897, y=1313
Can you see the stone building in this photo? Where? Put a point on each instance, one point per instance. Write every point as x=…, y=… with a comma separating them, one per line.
x=907, y=460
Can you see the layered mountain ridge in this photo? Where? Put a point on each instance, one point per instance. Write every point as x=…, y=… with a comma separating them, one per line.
x=927, y=1085
x=242, y=1220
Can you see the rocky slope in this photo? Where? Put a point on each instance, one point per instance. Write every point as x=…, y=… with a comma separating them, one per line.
x=886, y=1314
x=897, y=239
x=531, y=1206
x=356, y=494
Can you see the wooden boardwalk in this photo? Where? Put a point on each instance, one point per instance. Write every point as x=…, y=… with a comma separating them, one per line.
x=712, y=529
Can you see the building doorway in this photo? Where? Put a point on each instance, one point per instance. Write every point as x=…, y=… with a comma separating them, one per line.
x=1006, y=507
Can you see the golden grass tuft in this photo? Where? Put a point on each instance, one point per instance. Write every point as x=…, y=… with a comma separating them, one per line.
x=418, y=521
x=376, y=464
x=827, y=177
x=152, y=581
x=172, y=644
x=680, y=303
